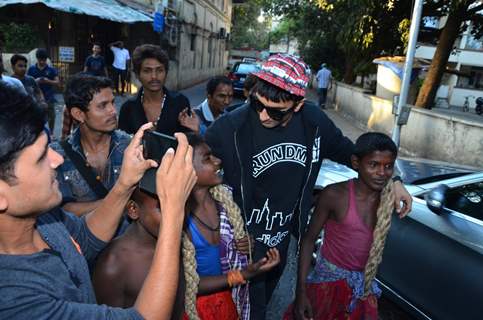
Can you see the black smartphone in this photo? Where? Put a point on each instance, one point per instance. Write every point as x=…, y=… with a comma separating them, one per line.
x=155, y=145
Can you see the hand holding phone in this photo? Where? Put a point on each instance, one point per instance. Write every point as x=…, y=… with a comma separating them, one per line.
x=155, y=145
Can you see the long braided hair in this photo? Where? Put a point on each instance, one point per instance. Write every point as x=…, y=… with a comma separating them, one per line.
x=366, y=144
x=223, y=195
x=384, y=212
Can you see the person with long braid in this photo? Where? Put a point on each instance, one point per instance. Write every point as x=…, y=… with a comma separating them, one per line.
x=215, y=250
x=216, y=246
x=355, y=216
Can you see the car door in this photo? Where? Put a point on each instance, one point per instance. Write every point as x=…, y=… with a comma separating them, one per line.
x=432, y=263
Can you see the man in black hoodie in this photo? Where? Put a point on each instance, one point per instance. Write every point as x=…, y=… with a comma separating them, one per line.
x=271, y=150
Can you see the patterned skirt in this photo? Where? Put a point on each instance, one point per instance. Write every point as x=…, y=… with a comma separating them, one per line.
x=330, y=301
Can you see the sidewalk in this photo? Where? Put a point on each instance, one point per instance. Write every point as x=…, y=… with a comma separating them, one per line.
x=347, y=127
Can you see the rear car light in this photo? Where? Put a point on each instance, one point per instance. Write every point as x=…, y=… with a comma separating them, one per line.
x=232, y=76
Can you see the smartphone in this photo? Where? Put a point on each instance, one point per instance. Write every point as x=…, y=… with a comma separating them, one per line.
x=155, y=145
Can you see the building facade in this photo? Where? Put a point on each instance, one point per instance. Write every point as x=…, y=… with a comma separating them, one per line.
x=196, y=34
x=466, y=62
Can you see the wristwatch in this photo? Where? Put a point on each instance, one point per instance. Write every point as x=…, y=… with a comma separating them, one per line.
x=397, y=178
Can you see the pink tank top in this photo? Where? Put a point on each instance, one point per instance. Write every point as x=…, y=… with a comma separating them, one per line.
x=347, y=244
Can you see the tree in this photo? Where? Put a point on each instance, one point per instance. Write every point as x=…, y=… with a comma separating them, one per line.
x=347, y=34
x=247, y=31
x=18, y=37
x=458, y=13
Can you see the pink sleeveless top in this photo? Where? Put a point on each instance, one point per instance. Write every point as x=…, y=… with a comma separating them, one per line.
x=347, y=244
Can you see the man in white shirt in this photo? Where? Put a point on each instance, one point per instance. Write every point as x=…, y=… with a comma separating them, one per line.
x=324, y=77
x=120, y=65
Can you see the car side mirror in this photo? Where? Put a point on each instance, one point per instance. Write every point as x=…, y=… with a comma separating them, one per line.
x=436, y=198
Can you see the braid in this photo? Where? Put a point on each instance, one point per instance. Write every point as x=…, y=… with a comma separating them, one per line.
x=384, y=212
x=192, y=278
x=223, y=195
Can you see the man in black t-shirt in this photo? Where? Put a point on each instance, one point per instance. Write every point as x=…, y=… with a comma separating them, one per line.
x=95, y=64
x=154, y=102
x=271, y=151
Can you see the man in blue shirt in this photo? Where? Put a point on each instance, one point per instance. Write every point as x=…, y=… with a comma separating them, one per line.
x=324, y=81
x=44, y=251
x=95, y=64
x=90, y=101
x=47, y=78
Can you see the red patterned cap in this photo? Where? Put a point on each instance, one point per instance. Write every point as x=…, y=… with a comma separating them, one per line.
x=286, y=72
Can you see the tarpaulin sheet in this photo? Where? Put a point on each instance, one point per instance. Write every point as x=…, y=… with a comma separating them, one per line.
x=398, y=67
x=105, y=9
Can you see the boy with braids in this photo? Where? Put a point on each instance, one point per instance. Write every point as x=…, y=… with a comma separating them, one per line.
x=215, y=250
x=355, y=216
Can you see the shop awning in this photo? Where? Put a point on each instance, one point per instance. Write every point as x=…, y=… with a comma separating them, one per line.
x=104, y=9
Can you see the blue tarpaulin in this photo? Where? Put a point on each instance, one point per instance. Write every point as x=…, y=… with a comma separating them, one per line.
x=105, y=9
x=397, y=67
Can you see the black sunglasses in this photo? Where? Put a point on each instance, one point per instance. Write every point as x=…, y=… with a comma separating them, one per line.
x=274, y=113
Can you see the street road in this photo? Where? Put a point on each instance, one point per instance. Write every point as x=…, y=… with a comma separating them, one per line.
x=284, y=293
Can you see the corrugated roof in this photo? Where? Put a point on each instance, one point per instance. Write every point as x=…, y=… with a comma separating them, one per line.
x=104, y=9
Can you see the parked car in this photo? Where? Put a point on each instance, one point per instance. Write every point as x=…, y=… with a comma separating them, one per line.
x=433, y=258
x=239, y=73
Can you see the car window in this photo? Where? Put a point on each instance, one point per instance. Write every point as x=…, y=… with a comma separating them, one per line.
x=246, y=68
x=467, y=199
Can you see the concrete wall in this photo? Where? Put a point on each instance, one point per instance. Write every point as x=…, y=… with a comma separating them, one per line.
x=427, y=134
x=459, y=94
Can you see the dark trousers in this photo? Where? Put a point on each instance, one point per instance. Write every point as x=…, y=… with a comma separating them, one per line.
x=262, y=287
x=116, y=74
x=322, y=97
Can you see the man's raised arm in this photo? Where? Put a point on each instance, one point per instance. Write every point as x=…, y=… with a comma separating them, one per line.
x=104, y=220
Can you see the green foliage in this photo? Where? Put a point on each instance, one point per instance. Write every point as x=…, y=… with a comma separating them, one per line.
x=247, y=31
x=284, y=30
x=346, y=34
x=16, y=37
x=441, y=8
x=403, y=29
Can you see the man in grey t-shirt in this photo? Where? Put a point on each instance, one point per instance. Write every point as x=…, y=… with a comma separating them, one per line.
x=44, y=250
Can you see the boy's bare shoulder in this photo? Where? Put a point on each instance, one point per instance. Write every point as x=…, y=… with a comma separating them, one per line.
x=115, y=257
x=336, y=191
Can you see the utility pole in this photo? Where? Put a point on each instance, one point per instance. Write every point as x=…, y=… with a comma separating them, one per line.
x=402, y=110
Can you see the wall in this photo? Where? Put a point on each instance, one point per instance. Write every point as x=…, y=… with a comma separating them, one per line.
x=459, y=94
x=428, y=134
x=202, y=51
x=196, y=49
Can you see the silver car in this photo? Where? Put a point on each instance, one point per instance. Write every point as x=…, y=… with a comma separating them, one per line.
x=433, y=258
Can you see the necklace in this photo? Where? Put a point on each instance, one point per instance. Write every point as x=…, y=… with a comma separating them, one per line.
x=204, y=224
x=155, y=123
x=100, y=172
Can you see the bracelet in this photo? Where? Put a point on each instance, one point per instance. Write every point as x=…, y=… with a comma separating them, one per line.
x=397, y=178
x=235, y=278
